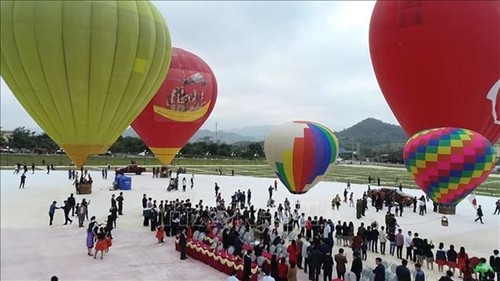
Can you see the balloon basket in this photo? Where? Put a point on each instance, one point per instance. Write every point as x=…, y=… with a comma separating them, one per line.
x=447, y=209
x=85, y=188
x=444, y=221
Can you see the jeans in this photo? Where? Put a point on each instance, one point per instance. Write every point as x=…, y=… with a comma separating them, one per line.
x=399, y=251
x=382, y=248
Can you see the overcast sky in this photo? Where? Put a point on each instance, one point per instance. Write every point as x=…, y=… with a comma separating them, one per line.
x=274, y=62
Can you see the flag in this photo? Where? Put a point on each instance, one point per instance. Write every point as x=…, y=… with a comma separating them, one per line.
x=473, y=201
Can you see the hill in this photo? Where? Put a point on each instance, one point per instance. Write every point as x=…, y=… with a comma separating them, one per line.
x=369, y=132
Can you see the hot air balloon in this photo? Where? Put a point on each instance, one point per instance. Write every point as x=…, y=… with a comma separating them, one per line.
x=83, y=70
x=438, y=63
x=448, y=163
x=179, y=108
x=301, y=153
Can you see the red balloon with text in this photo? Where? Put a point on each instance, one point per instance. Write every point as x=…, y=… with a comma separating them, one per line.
x=438, y=63
x=179, y=108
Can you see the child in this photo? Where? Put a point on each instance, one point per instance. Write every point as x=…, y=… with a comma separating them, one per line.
x=160, y=234
x=441, y=257
x=101, y=244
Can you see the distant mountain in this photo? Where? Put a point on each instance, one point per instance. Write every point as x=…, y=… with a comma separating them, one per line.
x=257, y=132
x=370, y=132
x=222, y=136
x=373, y=132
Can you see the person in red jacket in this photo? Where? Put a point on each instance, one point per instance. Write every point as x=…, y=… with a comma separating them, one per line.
x=282, y=270
x=293, y=252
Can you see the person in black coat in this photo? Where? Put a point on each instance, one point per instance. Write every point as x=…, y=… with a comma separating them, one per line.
x=327, y=267
x=247, y=266
x=357, y=265
x=315, y=260
x=402, y=272
x=67, y=209
x=72, y=202
x=379, y=271
x=120, y=199
x=183, y=243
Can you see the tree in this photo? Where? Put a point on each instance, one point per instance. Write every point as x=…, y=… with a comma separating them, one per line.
x=22, y=138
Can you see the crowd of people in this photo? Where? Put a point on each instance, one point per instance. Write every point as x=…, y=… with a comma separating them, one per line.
x=308, y=240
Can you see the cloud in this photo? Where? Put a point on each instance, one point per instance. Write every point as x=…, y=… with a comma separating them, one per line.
x=275, y=61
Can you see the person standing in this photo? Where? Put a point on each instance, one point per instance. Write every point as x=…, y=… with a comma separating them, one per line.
x=379, y=270
x=72, y=202
x=183, y=243
x=192, y=181
x=341, y=262
x=33, y=167
x=67, y=209
x=216, y=190
x=327, y=267
x=409, y=246
x=249, y=196
x=305, y=253
x=120, y=199
x=495, y=263
x=247, y=266
x=479, y=213
x=402, y=272
x=23, y=180
x=270, y=189
x=52, y=210
x=184, y=184
x=113, y=202
x=275, y=185
x=383, y=240
x=357, y=265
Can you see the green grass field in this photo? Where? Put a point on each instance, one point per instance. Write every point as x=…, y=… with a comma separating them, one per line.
x=389, y=176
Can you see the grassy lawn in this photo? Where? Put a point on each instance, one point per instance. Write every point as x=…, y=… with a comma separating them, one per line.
x=389, y=176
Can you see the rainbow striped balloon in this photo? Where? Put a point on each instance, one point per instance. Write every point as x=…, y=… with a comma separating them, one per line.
x=448, y=163
x=301, y=153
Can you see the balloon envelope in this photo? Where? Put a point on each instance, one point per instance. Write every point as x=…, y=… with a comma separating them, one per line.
x=301, y=153
x=179, y=108
x=438, y=63
x=448, y=163
x=83, y=70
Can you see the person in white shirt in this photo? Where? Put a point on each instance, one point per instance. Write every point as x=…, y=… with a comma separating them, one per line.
x=409, y=246
x=305, y=256
x=382, y=237
x=302, y=222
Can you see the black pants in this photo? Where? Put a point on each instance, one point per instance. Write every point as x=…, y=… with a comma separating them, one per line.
x=375, y=246
x=120, y=209
x=51, y=216
x=146, y=221
x=480, y=218
x=340, y=274
x=382, y=248
x=327, y=275
x=299, y=261
x=72, y=211
x=66, y=218
x=314, y=271
x=408, y=253
x=183, y=252
x=306, y=264
x=399, y=252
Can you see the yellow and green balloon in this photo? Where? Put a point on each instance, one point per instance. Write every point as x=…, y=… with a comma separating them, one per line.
x=83, y=70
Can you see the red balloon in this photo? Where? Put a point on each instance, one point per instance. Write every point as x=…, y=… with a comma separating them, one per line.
x=179, y=108
x=438, y=63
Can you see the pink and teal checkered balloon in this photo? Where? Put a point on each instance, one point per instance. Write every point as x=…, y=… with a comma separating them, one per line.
x=448, y=163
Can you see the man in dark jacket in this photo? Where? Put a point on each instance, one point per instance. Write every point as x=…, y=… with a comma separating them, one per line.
x=315, y=259
x=247, y=266
x=67, y=209
x=183, y=244
x=495, y=263
x=357, y=265
x=402, y=272
x=72, y=202
x=119, y=199
x=379, y=271
x=327, y=266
